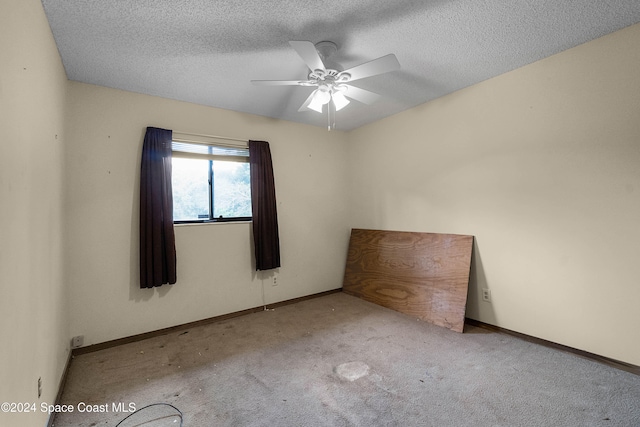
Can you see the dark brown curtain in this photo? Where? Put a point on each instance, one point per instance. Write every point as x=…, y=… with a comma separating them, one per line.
x=263, y=207
x=157, y=240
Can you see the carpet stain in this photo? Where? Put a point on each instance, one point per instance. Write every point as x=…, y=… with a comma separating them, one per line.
x=351, y=371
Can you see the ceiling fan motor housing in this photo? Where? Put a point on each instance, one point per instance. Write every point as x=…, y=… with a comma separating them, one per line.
x=326, y=50
x=331, y=75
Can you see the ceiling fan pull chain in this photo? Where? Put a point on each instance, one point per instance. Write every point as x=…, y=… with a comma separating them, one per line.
x=333, y=121
x=331, y=116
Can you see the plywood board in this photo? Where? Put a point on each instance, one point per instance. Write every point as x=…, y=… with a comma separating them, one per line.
x=425, y=275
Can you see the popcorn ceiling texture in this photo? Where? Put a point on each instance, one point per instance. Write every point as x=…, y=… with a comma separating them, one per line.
x=206, y=52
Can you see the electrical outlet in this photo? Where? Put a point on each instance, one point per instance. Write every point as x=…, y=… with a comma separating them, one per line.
x=39, y=387
x=275, y=280
x=77, y=341
x=486, y=294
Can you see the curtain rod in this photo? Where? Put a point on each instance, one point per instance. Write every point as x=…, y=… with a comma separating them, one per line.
x=226, y=138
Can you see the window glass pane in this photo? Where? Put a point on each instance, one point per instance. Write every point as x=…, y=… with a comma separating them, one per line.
x=190, y=180
x=231, y=189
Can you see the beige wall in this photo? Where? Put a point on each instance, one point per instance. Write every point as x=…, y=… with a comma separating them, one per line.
x=33, y=311
x=215, y=268
x=542, y=165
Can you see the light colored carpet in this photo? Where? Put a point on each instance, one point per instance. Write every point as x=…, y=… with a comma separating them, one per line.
x=340, y=361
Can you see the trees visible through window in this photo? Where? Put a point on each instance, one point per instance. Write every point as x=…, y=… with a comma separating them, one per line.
x=213, y=186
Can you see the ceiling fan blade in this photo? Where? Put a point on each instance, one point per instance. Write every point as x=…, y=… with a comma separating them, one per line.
x=364, y=96
x=381, y=65
x=278, y=82
x=309, y=54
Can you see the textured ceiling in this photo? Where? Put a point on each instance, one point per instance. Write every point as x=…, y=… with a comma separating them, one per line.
x=206, y=51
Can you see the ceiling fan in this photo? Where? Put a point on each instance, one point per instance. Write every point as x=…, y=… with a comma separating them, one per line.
x=331, y=82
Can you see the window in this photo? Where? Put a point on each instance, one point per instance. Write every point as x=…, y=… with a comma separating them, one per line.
x=211, y=183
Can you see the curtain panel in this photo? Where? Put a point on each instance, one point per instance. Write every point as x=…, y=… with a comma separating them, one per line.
x=157, y=239
x=263, y=207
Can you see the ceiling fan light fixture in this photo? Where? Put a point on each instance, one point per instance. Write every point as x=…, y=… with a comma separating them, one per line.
x=323, y=95
x=339, y=100
x=316, y=104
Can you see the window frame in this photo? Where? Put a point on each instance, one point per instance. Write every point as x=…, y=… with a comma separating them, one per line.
x=210, y=157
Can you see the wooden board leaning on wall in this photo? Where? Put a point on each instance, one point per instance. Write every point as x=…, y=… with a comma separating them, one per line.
x=424, y=275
